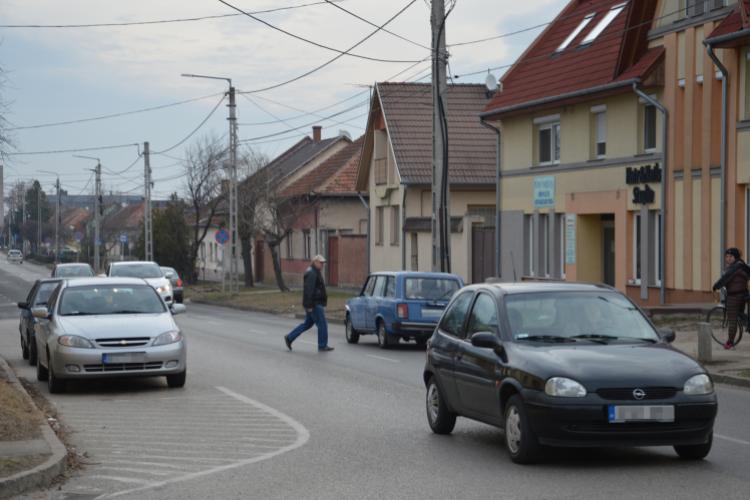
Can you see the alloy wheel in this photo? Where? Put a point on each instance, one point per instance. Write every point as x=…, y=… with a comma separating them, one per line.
x=513, y=430
x=433, y=402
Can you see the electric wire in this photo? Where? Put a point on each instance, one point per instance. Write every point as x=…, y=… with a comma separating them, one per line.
x=196, y=129
x=73, y=150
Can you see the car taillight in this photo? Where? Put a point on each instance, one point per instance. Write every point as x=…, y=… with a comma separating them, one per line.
x=403, y=311
x=179, y=282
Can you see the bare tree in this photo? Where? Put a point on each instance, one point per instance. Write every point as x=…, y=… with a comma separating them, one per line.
x=6, y=139
x=251, y=193
x=203, y=168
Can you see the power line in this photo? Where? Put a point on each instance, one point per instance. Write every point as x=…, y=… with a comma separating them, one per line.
x=196, y=129
x=73, y=150
x=157, y=22
x=341, y=52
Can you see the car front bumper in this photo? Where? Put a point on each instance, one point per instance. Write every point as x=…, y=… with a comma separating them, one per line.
x=90, y=364
x=587, y=424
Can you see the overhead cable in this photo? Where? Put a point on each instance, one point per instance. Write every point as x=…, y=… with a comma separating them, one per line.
x=73, y=150
x=196, y=129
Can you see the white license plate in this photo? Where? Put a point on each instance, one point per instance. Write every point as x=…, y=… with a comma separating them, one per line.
x=663, y=413
x=125, y=357
x=431, y=313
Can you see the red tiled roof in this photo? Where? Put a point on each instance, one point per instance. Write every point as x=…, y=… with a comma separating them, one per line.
x=408, y=115
x=332, y=176
x=644, y=64
x=538, y=75
x=737, y=20
x=300, y=154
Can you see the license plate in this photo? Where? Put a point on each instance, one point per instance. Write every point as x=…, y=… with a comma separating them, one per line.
x=124, y=357
x=663, y=413
x=431, y=313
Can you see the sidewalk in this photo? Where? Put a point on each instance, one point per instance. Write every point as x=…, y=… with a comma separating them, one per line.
x=49, y=445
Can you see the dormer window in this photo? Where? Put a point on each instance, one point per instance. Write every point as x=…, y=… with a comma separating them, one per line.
x=572, y=36
x=606, y=21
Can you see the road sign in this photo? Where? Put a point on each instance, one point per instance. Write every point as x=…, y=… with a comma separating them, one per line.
x=79, y=236
x=98, y=242
x=15, y=236
x=222, y=237
x=123, y=238
x=47, y=240
x=4, y=235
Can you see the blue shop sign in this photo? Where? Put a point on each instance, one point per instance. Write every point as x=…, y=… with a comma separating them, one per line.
x=544, y=191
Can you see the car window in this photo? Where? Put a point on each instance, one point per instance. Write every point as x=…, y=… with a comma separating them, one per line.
x=31, y=293
x=137, y=271
x=483, y=316
x=390, y=287
x=454, y=316
x=112, y=299
x=44, y=292
x=379, y=287
x=74, y=271
x=52, y=298
x=430, y=288
x=370, y=286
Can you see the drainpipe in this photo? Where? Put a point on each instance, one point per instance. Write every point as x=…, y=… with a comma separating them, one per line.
x=368, y=231
x=724, y=85
x=497, y=197
x=403, y=233
x=663, y=230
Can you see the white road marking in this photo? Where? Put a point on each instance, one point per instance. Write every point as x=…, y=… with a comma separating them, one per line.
x=303, y=435
x=140, y=471
x=732, y=439
x=125, y=480
x=141, y=463
x=384, y=359
x=258, y=331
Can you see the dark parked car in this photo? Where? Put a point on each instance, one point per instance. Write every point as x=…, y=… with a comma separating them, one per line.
x=38, y=296
x=399, y=305
x=175, y=281
x=565, y=365
x=73, y=270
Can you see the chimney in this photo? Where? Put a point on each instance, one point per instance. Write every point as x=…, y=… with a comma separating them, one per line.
x=316, y=133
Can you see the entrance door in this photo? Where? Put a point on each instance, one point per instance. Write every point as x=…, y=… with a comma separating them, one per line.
x=482, y=254
x=415, y=252
x=608, y=253
x=333, y=260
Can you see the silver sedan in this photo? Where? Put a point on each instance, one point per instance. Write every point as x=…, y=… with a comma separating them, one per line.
x=108, y=327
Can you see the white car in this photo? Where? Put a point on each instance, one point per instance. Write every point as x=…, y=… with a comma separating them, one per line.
x=148, y=271
x=15, y=256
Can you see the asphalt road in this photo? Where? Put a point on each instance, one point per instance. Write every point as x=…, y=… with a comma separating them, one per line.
x=257, y=421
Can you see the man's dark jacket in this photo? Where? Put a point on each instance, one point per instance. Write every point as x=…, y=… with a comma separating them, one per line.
x=734, y=278
x=314, y=293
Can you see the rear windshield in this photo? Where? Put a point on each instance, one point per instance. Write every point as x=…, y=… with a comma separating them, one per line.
x=74, y=271
x=110, y=299
x=137, y=271
x=430, y=288
x=43, y=293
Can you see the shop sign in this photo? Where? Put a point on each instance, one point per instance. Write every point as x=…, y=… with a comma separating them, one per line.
x=643, y=175
x=570, y=239
x=544, y=191
x=643, y=196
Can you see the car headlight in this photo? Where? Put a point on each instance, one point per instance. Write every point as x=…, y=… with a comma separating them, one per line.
x=562, y=387
x=699, y=385
x=75, y=341
x=167, y=338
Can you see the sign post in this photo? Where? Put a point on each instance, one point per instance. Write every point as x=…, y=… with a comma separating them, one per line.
x=222, y=237
x=78, y=245
x=123, y=240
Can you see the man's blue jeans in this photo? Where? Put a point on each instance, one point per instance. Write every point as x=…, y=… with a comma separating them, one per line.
x=316, y=317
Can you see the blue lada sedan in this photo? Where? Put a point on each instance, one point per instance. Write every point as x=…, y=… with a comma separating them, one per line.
x=399, y=306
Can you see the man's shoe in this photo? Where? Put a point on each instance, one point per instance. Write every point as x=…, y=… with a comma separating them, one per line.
x=325, y=349
x=729, y=346
x=288, y=342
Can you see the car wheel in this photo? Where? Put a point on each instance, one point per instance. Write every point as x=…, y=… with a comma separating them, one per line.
x=41, y=372
x=383, y=337
x=177, y=380
x=24, y=349
x=352, y=336
x=54, y=384
x=32, y=354
x=695, y=451
x=520, y=438
x=441, y=419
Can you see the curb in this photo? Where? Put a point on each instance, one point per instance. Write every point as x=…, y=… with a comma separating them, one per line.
x=41, y=475
x=730, y=380
x=275, y=312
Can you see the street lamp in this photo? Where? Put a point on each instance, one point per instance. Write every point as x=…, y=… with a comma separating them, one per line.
x=57, y=216
x=233, y=279
x=97, y=215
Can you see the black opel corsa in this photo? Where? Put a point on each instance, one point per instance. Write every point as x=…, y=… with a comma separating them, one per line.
x=565, y=364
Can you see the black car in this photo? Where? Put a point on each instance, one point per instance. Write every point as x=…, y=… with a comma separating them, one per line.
x=38, y=296
x=565, y=364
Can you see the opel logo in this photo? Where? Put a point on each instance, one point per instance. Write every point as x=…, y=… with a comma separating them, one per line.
x=639, y=394
x=125, y=342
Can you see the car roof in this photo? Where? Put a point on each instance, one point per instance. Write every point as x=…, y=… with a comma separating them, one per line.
x=542, y=287
x=415, y=274
x=105, y=281
x=71, y=264
x=129, y=262
x=51, y=280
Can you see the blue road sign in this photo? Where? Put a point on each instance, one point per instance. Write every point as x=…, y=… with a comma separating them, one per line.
x=15, y=236
x=222, y=237
x=79, y=236
x=47, y=240
x=123, y=238
x=4, y=235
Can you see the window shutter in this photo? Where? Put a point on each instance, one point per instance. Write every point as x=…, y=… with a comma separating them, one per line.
x=698, y=7
x=717, y=4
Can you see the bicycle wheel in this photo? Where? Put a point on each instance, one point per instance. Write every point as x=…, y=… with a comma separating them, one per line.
x=717, y=319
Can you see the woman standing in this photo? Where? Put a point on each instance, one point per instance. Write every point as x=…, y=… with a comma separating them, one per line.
x=735, y=280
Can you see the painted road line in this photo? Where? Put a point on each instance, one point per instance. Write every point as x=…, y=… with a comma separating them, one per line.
x=258, y=331
x=381, y=358
x=727, y=438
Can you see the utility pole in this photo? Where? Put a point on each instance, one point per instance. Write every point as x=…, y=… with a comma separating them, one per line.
x=23, y=217
x=149, y=246
x=57, y=224
x=39, y=217
x=233, y=234
x=97, y=215
x=441, y=231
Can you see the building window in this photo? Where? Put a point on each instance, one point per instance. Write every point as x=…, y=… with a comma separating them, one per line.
x=562, y=245
x=611, y=15
x=544, y=220
x=601, y=135
x=657, y=248
x=307, y=240
x=530, y=242
x=290, y=245
x=698, y=7
x=549, y=143
x=395, y=225
x=637, y=248
x=379, y=225
x=574, y=34
x=649, y=128
x=487, y=212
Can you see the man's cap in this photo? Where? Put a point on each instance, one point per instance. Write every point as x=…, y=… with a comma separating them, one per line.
x=319, y=258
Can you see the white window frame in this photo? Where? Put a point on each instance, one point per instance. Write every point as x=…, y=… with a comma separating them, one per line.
x=307, y=241
x=600, y=138
x=531, y=245
x=657, y=245
x=606, y=21
x=554, y=151
x=562, y=246
x=545, y=243
x=586, y=20
x=636, y=251
x=290, y=245
x=645, y=129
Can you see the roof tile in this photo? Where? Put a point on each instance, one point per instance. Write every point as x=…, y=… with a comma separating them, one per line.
x=333, y=176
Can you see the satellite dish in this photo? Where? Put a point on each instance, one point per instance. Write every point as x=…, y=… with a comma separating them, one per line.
x=491, y=83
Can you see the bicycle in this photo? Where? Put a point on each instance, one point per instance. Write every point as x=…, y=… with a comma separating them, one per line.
x=717, y=318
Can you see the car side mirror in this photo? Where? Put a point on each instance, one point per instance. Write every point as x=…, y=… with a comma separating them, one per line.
x=41, y=313
x=169, y=276
x=667, y=334
x=178, y=309
x=23, y=305
x=487, y=340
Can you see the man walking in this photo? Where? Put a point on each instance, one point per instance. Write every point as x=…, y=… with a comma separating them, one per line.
x=314, y=299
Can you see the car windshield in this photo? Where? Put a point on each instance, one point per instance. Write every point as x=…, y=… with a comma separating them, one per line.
x=44, y=291
x=430, y=288
x=136, y=271
x=74, y=271
x=110, y=299
x=564, y=316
